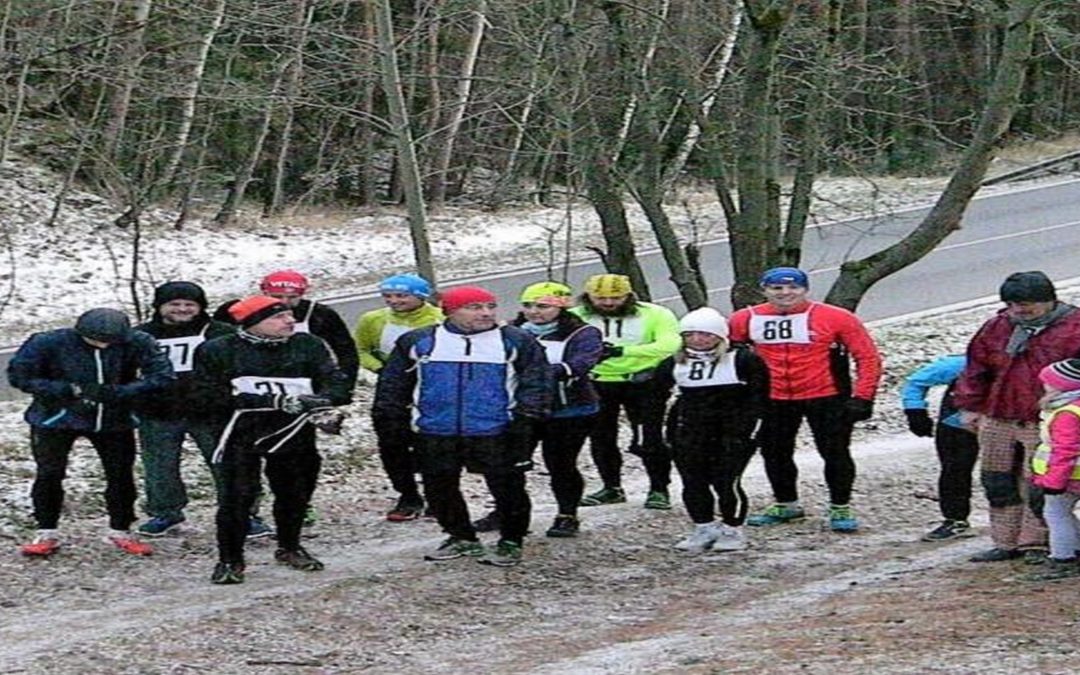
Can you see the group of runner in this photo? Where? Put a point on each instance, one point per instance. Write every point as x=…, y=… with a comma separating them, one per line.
x=458, y=389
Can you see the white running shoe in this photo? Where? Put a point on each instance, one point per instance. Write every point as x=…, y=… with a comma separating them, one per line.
x=728, y=538
x=700, y=540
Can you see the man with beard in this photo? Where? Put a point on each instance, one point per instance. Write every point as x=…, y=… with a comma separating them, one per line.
x=180, y=324
x=998, y=395
x=265, y=389
x=637, y=337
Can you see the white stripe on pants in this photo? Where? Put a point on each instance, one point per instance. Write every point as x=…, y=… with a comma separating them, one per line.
x=1064, y=525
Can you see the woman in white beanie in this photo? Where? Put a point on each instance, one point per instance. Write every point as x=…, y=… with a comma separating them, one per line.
x=722, y=393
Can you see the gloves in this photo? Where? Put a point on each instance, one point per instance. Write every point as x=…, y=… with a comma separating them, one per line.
x=328, y=421
x=299, y=404
x=611, y=351
x=1036, y=499
x=858, y=409
x=100, y=393
x=520, y=441
x=919, y=422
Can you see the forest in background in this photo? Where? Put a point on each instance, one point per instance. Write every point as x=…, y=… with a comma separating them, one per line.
x=210, y=104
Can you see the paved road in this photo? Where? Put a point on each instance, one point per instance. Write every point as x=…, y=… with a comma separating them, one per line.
x=1029, y=228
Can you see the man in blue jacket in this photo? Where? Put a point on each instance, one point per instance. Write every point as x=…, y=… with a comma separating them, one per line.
x=471, y=391
x=84, y=381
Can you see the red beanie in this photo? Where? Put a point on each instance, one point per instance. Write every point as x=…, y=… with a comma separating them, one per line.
x=456, y=298
x=284, y=281
x=251, y=311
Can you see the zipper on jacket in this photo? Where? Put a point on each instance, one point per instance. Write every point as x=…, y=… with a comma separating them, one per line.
x=101, y=380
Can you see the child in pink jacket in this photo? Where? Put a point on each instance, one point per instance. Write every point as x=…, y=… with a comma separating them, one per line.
x=1055, y=472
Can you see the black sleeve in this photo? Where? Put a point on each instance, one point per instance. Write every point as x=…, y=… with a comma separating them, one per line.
x=332, y=328
x=330, y=379
x=222, y=312
x=752, y=370
x=534, y=385
x=664, y=379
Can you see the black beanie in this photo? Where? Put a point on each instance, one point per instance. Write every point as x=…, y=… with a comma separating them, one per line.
x=179, y=290
x=1028, y=287
x=104, y=325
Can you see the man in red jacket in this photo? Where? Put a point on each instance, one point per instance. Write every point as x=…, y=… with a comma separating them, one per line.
x=998, y=395
x=806, y=346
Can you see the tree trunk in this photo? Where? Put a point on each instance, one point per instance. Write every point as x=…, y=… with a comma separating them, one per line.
x=410, y=172
x=621, y=255
x=131, y=56
x=437, y=195
x=190, y=92
x=753, y=236
x=302, y=21
x=857, y=276
x=243, y=177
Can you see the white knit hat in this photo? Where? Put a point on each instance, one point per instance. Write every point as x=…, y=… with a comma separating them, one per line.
x=704, y=320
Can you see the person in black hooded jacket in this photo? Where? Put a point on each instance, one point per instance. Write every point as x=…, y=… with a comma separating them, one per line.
x=84, y=381
x=180, y=324
x=265, y=389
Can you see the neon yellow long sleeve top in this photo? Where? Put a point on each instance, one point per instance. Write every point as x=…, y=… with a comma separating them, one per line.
x=648, y=336
x=377, y=330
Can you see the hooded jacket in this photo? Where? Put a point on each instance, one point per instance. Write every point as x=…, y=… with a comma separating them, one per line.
x=48, y=364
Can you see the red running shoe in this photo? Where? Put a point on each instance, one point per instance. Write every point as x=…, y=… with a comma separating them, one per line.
x=128, y=543
x=43, y=546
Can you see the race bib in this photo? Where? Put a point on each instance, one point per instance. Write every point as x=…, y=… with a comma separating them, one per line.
x=485, y=347
x=554, y=350
x=390, y=333
x=706, y=373
x=255, y=384
x=780, y=329
x=621, y=330
x=181, y=351
x=301, y=327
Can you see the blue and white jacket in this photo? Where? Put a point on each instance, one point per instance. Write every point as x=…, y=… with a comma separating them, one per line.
x=443, y=382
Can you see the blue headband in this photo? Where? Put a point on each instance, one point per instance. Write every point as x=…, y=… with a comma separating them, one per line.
x=785, y=275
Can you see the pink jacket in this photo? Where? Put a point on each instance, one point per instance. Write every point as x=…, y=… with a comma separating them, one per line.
x=1063, y=433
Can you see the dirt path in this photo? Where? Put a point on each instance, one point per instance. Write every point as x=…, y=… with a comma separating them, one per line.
x=617, y=599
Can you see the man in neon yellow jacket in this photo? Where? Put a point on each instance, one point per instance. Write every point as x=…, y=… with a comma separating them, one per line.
x=406, y=308
x=637, y=337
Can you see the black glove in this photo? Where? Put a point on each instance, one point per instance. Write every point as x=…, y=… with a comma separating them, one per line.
x=858, y=409
x=100, y=393
x=1036, y=499
x=919, y=422
x=611, y=351
x=520, y=435
x=302, y=403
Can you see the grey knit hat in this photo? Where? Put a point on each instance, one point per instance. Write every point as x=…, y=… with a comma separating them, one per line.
x=105, y=325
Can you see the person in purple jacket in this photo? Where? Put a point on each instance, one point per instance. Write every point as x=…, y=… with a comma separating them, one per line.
x=572, y=348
